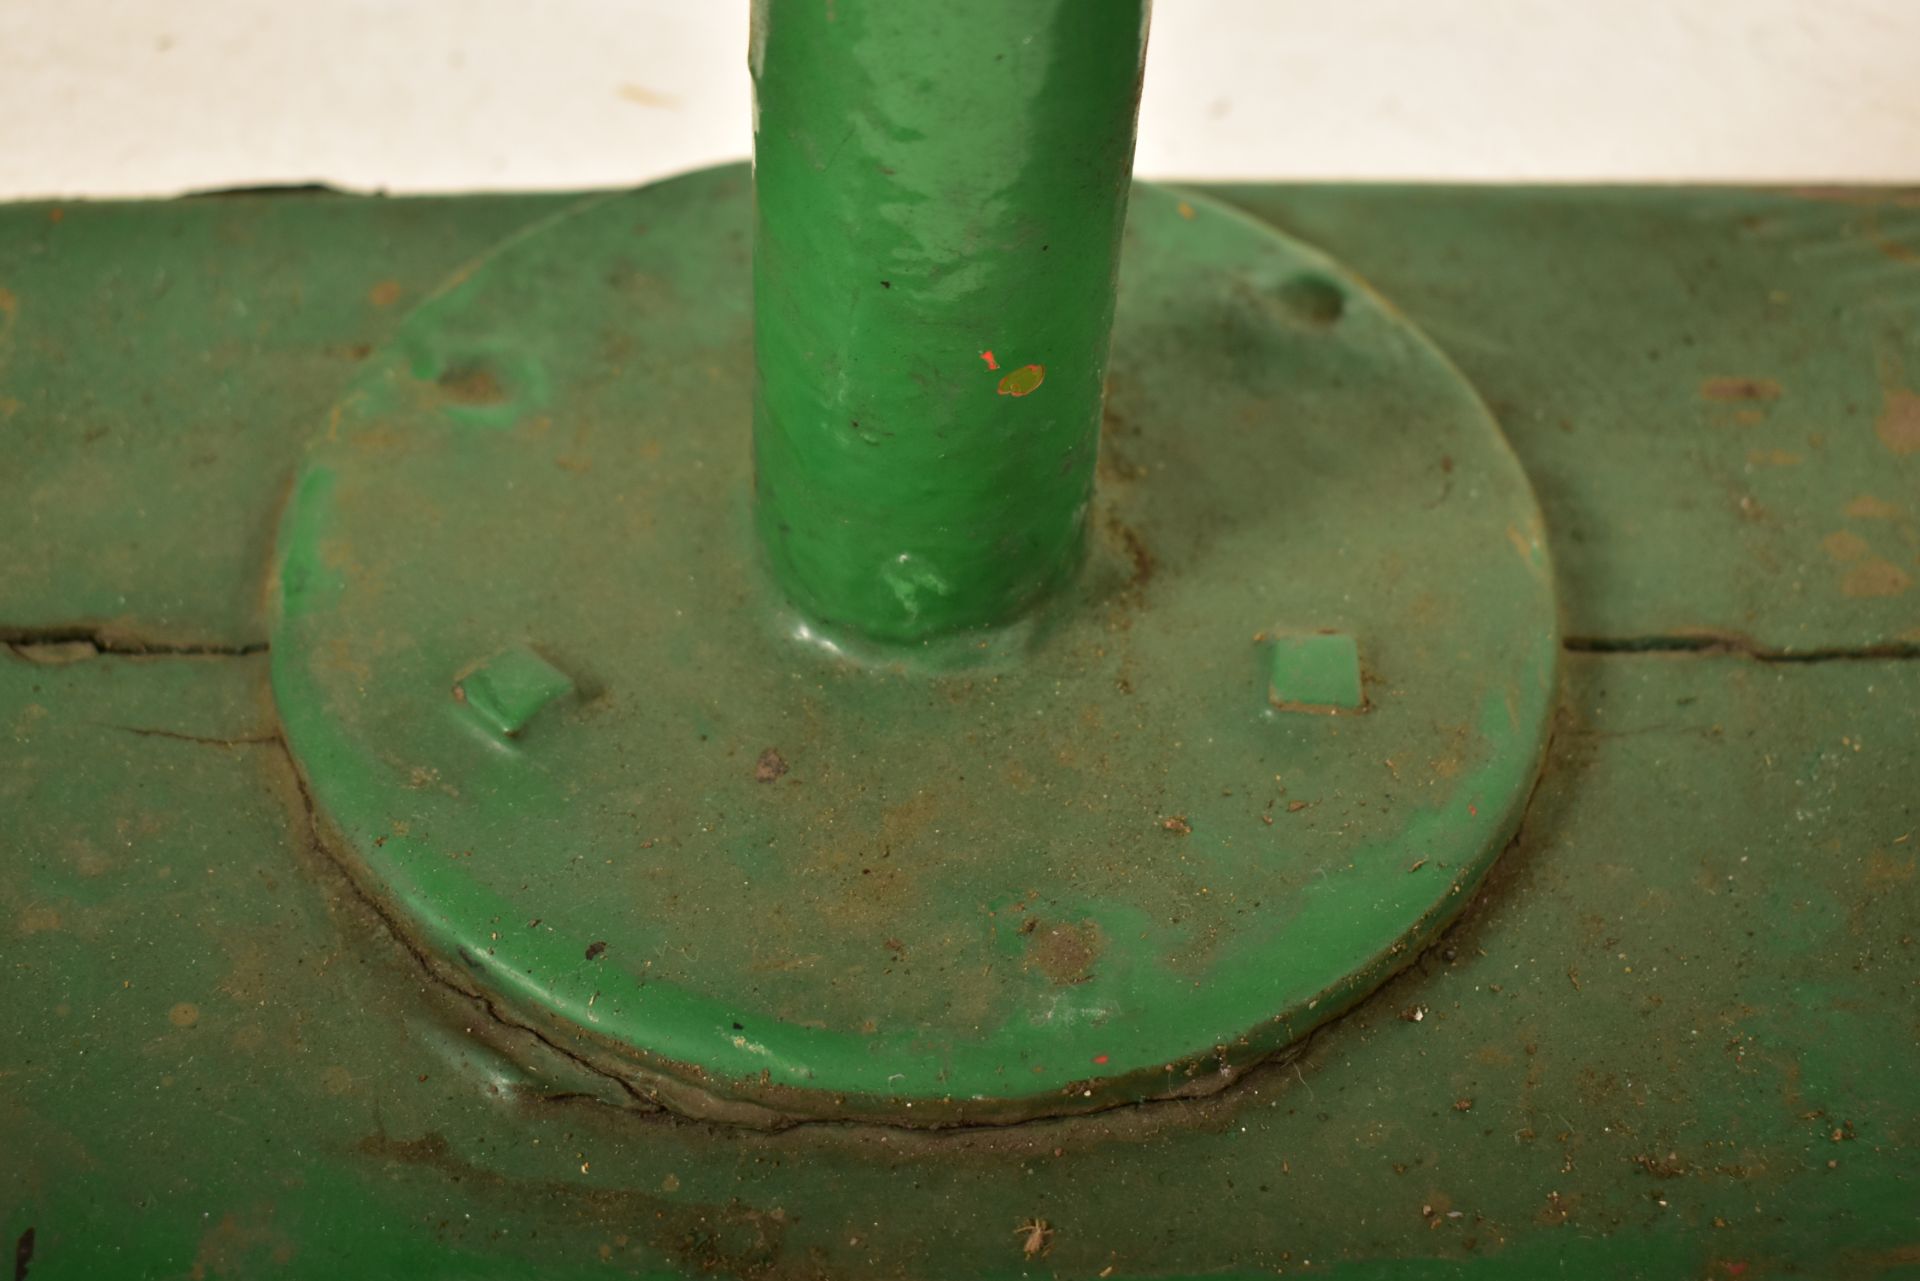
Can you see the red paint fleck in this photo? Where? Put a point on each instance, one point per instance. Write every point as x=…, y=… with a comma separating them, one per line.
x=1473, y=809
x=991, y=362
x=1735, y=1267
x=1023, y=381
x=1100, y=1059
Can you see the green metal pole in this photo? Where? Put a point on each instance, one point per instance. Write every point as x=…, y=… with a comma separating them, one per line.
x=940, y=187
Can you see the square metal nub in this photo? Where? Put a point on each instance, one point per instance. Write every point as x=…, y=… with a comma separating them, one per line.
x=1316, y=672
x=503, y=693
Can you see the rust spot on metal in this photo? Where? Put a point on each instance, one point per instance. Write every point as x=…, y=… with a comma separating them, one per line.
x=1875, y=578
x=472, y=385
x=1739, y=389
x=1899, y=425
x=1844, y=545
x=769, y=767
x=1867, y=507
x=39, y=920
x=1064, y=953
x=725, y=1238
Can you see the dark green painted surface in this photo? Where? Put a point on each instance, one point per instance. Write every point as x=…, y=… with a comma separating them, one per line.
x=1705, y=935
x=763, y=879
x=1717, y=393
x=160, y=367
x=939, y=196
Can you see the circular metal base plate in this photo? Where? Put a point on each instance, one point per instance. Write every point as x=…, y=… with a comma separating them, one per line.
x=560, y=723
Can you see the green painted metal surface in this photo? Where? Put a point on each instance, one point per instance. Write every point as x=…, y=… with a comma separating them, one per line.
x=123, y=494
x=1680, y=1014
x=1760, y=409
x=762, y=880
x=940, y=193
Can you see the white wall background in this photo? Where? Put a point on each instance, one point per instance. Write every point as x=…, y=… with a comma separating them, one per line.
x=146, y=97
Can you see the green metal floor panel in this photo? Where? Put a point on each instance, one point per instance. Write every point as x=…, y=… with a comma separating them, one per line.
x=1674, y=1036
x=1716, y=393
x=161, y=366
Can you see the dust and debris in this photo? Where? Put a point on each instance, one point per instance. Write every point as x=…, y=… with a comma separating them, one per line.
x=1037, y=1237
x=1740, y=389
x=472, y=384
x=1867, y=507
x=1874, y=578
x=770, y=766
x=1899, y=423
x=1064, y=953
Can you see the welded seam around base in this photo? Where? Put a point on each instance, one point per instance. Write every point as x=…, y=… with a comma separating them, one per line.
x=434, y=972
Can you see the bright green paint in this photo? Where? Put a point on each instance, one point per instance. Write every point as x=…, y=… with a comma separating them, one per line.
x=508, y=690
x=1314, y=671
x=939, y=190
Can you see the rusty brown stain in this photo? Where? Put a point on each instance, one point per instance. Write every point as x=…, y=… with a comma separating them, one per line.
x=472, y=385
x=184, y=1014
x=1844, y=545
x=1899, y=423
x=1867, y=507
x=1740, y=389
x=88, y=860
x=235, y=1247
x=1885, y=871
x=1129, y=543
x=1875, y=578
x=249, y=975
x=730, y=1238
x=39, y=920
x=769, y=766
x=1773, y=458
x=384, y=294
x=1894, y=249
x=906, y=823
x=1065, y=953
